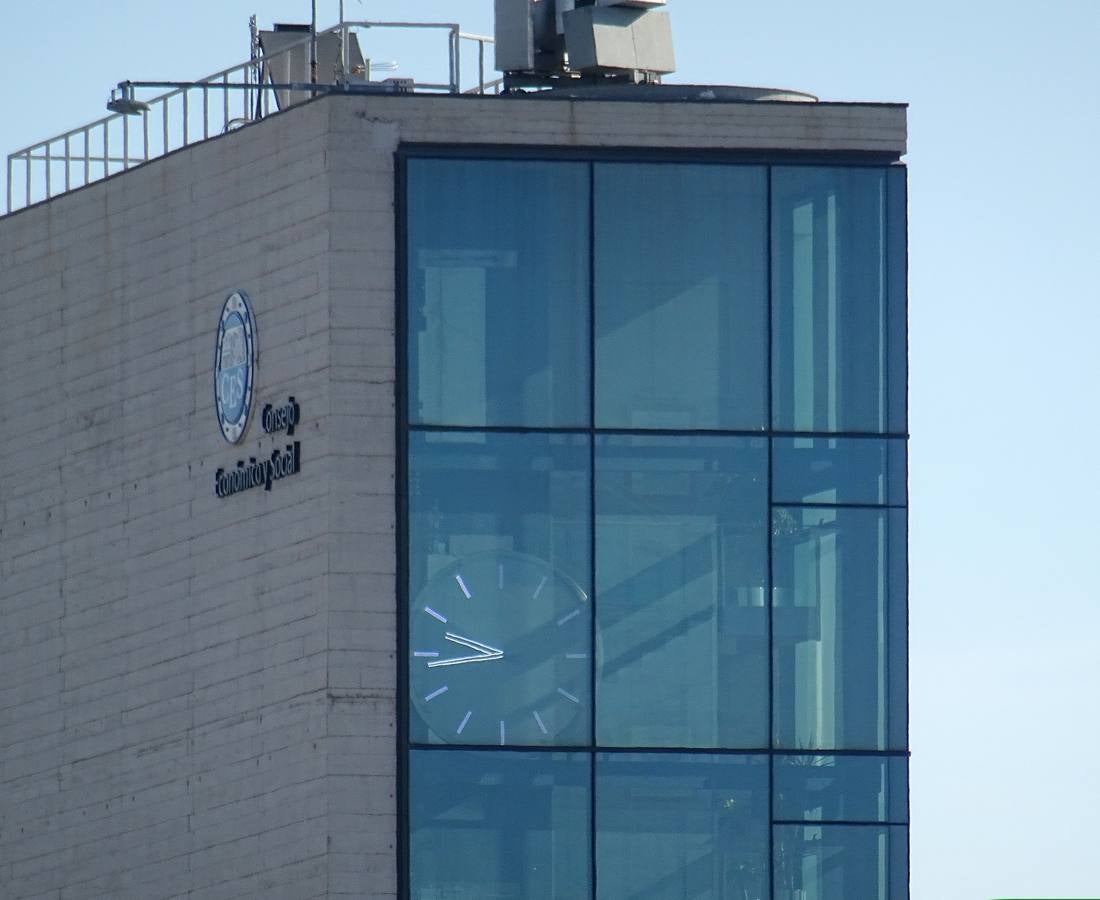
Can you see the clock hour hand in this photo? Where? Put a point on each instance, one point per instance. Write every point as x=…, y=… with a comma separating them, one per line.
x=485, y=653
x=473, y=645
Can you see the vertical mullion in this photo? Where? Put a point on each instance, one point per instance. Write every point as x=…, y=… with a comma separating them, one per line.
x=906, y=612
x=592, y=514
x=769, y=584
x=401, y=514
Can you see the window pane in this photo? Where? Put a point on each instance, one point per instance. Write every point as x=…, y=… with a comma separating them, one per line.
x=681, y=296
x=672, y=825
x=897, y=255
x=839, y=470
x=510, y=826
x=830, y=324
x=842, y=788
x=500, y=625
x=839, y=628
x=498, y=292
x=841, y=862
x=681, y=568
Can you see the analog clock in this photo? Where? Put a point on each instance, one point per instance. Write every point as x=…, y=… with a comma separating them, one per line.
x=500, y=653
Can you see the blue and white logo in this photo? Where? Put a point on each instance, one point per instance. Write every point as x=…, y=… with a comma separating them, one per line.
x=235, y=366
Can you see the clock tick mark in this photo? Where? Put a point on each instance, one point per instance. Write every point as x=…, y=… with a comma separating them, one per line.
x=425, y=654
x=435, y=694
x=438, y=616
x=502, y=732
x=462, y=584
x=538, y=719
x=465, y=719
x=538, y=590
x=576, y=656
x=569, y=616
x=568, y=696
x=500, y=576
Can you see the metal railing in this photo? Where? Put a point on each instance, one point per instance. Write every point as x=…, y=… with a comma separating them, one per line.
x=195, y=111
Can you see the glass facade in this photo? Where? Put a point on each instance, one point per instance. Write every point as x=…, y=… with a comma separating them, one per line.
x=500, y=825
x=681, y=575
x=655, y=536
x=681, y=825
x=498, y=281
x=679, y=323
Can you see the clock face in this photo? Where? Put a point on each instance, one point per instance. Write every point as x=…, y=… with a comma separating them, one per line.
x=500, y=653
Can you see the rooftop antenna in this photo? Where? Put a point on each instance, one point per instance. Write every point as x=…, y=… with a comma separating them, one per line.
x=343, y=45
x=313, y=44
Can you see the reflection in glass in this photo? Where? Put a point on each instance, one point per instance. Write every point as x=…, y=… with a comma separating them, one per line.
x=681, y=568
x=868, y=471
x=505, y=825
x=681, y=825
x=841, y=788
x=897, y=228
x=839, y=628
x=834, y=366
x=498, y=291
x=499, y=557
x=841, y=862
x=681, y=296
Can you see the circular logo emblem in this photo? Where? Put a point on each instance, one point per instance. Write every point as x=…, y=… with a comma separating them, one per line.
x=235, y=366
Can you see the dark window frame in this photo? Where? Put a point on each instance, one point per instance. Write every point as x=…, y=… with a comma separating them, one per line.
x=897, y=425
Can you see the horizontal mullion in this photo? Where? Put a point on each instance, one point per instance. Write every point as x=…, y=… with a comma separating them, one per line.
x=576, y=748
x=789, y=751
x=411, y=150
x=871, y=435
x=499, y=429
x=584, y=429
x=822, y=823
x=662, y=432
x=685, y=751
x=785, y=505
x=499, y=748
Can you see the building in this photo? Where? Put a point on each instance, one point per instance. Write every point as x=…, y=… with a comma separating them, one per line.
x=563, y=553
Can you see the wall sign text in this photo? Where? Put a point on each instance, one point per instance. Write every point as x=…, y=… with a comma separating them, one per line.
x=282, y=418
x=259, y=472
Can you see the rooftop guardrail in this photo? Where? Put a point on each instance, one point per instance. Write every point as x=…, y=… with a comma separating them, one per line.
x=195, y=111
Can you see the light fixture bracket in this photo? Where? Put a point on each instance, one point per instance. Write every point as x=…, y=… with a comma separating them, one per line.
x=123, y=101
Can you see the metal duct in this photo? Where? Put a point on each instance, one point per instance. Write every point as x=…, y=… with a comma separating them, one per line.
x=610, y=38
x=567, y=38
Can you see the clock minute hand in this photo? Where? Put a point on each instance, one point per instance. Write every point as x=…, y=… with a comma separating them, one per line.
x=473, y=645
x=485, y=653
x=461, y=660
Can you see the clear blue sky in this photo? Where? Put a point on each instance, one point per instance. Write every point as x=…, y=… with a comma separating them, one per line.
x=1005, y=311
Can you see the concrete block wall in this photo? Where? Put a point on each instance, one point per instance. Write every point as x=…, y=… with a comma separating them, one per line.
x=362, y=533
x=164, y=704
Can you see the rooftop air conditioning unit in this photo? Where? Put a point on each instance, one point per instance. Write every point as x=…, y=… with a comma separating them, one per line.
x=552, y=39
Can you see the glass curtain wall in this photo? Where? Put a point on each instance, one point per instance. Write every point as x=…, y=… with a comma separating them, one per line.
x=655, y=534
